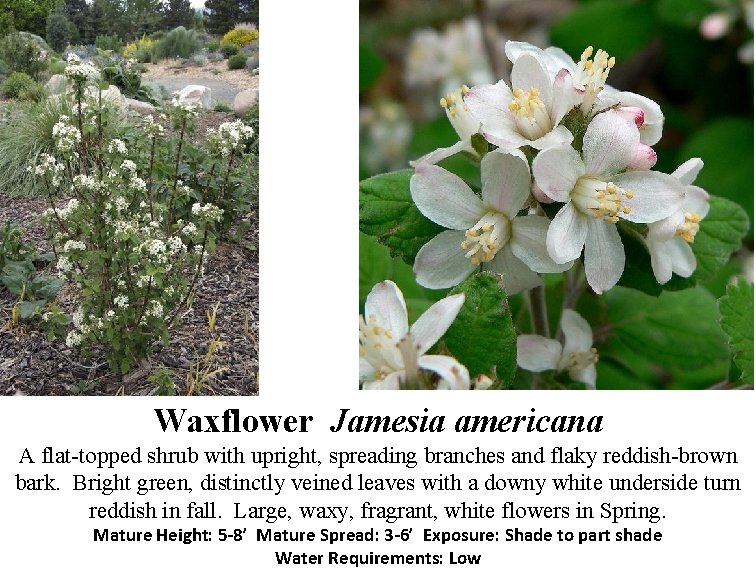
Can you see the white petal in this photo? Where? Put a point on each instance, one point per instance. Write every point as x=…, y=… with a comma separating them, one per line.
x=441, y=263
x=586, y=375
x=561, y=59
x=578, y=336
x=435, y=321
x=557, y=170
x=604, y=255
x=506, y=182
x=696, y=200
x=489, y=103
x=682, y=258
x=661, y=263
x=655, y=195
x=444, y=197
x=386, y=303
x=509, y=141
x=565, y=97
x=559, y=136
x=442, y=153
x=537, y=353
x=366, y=370
x=609, y=143
x=566, y=236
x=688, y=171
x=454, y=376
x=514, y=50
x=528, y=243
x=515, y=274
x=527, y=73
x=392, y=381
x=653, y=124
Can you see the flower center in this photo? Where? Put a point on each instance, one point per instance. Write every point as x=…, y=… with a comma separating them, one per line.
x=592, y=75
x=600, y=199
x=377, y=346
x=530, y=113
x=459, y=115
x=487, y=237
x=579, y=360
x=687, y=231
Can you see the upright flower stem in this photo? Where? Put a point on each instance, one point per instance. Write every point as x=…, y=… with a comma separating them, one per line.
x=538, y=316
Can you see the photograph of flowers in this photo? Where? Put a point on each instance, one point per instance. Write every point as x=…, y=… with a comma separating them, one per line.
x=556, y=194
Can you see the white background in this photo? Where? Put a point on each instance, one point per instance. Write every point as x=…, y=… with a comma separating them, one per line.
x=308, y=364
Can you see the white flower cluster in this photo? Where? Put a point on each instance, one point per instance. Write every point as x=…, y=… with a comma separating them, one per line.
x=66, y=137
x=64, y=265
x=63, y=213
x=129, y=166
x=87, y=183
x=185, y=109
x=209, y=212
x=118, y=146
x=229, y=137
x=605, y=179
x=152, y=128
x=78, y=71
x=74, y=245
x=48, y=165
x=121, y=301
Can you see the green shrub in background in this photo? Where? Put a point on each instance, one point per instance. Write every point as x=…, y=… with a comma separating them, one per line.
x=127, y=76
x=24, y=52
x=109, y=42
x=178, y=43
x=229, y=50
x=214, y=46
x=17, y=83
x=237, y=62
x=56, y=67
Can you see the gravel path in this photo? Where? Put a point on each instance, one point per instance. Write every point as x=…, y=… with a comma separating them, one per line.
x=221, y=91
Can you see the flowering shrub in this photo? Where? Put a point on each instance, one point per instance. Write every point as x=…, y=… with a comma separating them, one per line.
x=121, y=237
x=24, y=52
x=141, y=50
x=563, y=182
x=240, y=36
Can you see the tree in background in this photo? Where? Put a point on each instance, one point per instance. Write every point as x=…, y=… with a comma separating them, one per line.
x=250, y=11
x=141, y=17
x=78, y=13
x=60, y=30
x=222, y=15
x=26, y=15
x=177, y=13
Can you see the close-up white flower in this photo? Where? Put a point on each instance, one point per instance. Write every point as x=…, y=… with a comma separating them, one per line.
x=576, y=356
x=529, y=113
x=483, y=231
x=669, y=240
x=597, y=193
x=392, y=353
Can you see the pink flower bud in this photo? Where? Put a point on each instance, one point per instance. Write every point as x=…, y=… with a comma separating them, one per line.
x=714, y=26
x=643, y=159
x=634, y=114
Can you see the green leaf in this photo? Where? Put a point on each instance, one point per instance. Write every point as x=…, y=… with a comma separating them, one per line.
x=686, y=13
x=371, y=67
x=28, y=309
x=388, y=213
x=483, y=336
x=620, y=28
x=46, y=287
x=736, y=307
x=16, y=276
x=726, y=147
x=719, y=235
x=677, y=329
x=638, y=273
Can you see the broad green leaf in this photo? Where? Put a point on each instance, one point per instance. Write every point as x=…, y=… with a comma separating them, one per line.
x=16, y=276
x=483, y=337
x=719, y=235
x=726, y=147
x=686, y=13
x=375, y=265
x=46, y=287
x=371, y=67
x=620, y=28
x=28, y=309
x=736, y=307
x=388, y=213
x=675, y=330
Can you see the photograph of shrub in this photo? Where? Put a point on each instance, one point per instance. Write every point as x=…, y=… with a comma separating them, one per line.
x=556, y=194
x=128, y=199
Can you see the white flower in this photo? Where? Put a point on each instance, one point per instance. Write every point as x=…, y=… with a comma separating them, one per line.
x=117, y=145
x=66, y=136
x=73, y=338
x=577, y=357
x=122, y=301
x=129, y=166
x=175, y=244
x=464, y=122
x=208, y=211
x=391, y=353
x=669, y=240
x=589, y=77
x=597, y=194
x=229, y=137
x=156, y=309
x=110, y=314
x=529, y=113
x=78, y=318
x=64, y=264
x=487, y=231
x=74, y=245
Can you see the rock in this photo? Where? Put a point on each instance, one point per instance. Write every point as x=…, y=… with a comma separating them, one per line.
x=56, y=84
x=112, y=94
x=194, y=93
x=244, y=102
x=139, y=107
